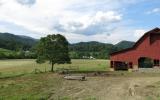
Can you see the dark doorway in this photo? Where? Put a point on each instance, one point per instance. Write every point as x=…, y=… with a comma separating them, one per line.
x=145, y=62
x=156, y=62
x=120, y=65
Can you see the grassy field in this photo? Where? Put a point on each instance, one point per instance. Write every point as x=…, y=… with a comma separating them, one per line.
x=9, y=68
x=19, y=82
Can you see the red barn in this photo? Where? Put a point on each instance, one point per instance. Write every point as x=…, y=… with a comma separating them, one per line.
x=148, y=46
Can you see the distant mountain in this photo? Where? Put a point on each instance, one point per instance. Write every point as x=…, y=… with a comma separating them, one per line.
x=124, y=44
x=89, y=46
x=15, y=42
x=97, y=49
x=77, y=50
x=26, y=37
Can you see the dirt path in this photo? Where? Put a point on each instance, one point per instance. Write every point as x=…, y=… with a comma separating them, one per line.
x=106, y=88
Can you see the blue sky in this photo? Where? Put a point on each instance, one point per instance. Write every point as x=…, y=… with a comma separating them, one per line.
x=108, y=21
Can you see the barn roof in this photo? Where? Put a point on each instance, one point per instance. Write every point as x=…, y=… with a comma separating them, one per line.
x=153, y=31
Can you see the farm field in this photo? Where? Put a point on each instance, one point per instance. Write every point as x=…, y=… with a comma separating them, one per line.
x=19, y=82
x=9, y=68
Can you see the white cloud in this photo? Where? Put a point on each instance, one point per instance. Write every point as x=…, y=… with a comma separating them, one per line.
x=139, y=32
x=84, y=24
x=155, y=10
x=78, y=20
x=27, y=2
x=45, y=14
x=116, y=36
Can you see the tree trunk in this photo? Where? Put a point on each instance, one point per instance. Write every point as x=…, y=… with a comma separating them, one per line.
x=52, y=67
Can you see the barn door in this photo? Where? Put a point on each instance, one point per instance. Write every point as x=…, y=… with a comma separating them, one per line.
x=145, y=62
x=120, y=65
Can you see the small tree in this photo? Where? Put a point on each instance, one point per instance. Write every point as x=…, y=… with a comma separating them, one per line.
x=53, y=48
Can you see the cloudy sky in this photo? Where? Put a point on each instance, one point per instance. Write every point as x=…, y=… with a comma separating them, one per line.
x=108, y=21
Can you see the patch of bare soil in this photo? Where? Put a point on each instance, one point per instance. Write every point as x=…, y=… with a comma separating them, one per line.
x=109, y=88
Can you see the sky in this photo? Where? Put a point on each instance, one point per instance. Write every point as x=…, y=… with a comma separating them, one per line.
x=108, y=21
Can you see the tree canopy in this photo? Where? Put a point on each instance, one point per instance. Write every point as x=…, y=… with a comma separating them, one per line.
x=53, y=48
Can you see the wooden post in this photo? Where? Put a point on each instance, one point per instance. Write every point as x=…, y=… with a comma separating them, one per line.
x=135, y=67
x=130, y=67
x=112, y=65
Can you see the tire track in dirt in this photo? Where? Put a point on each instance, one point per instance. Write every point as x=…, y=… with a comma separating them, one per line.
x=106, y=88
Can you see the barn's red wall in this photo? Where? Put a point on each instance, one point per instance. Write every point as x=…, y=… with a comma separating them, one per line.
x=149, y=46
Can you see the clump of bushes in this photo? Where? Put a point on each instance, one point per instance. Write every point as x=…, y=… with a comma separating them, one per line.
x=8, y=54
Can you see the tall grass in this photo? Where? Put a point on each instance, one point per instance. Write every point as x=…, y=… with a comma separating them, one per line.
x=9, y=68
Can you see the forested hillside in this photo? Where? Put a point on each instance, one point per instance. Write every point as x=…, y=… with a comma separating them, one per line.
x=16, y=42
x=124, y=44
x=15, y=46
x=96, y=49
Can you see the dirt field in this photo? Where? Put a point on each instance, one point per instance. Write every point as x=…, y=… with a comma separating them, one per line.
x=49, y=86
x=111, y=88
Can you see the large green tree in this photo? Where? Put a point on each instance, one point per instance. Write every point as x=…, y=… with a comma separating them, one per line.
x=53, y=48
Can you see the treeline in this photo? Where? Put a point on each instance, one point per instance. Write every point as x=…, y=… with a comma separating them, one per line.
x=96, y=49
x=91, y=49
x=22, y=47
x=8, y=54
x=16, y=46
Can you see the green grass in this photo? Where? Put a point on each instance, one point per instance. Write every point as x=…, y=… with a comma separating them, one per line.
x=29, y=87
x=19, y=82
x=18, y=67
x=5, y=50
